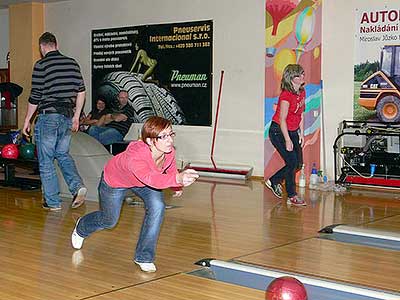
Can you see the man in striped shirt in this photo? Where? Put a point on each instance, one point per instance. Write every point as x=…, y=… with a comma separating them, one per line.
x=112, y=128
x=58, y=93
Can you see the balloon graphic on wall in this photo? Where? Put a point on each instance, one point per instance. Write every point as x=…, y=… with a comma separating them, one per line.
x=304, y=29
x=283, y=58
x=316, y=52
x=278, y=9
x=270, y=51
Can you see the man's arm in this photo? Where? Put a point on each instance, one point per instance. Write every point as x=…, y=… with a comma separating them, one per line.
x=80, y=100
x=105, y=119
x=35, y=97
x=27, y=123
x=89, y=121
x=115, y=117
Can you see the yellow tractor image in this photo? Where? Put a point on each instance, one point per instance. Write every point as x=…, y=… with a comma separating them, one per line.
x=380, y=91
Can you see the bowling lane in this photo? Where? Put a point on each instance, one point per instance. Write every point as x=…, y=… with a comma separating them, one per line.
x=183, y=287
x=342, y=262
x=362, y=235
x=317, y=289
x=390, y=224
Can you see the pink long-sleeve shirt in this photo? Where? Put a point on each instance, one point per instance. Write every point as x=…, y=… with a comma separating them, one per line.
x=135, y=167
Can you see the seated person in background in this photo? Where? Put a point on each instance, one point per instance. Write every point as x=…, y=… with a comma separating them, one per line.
x=94, y=116
x=112, y=128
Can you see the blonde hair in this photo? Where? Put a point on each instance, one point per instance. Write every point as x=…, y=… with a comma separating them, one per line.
x=289, y=73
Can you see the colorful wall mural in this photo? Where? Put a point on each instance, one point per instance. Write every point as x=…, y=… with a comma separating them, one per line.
x=293, y=35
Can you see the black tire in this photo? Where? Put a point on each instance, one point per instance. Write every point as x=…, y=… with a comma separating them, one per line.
x=388, y=109
x=147, y=99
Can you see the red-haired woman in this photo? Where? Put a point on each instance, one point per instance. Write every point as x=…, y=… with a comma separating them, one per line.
x=146, y=168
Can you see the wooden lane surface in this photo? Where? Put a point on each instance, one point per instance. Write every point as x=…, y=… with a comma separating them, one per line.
x=212, y=220
x=350, y=263
x=390, y=224
x=184, y=287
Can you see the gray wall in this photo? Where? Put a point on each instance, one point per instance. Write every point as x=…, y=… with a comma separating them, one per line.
x=4, y=38
x=238, y=49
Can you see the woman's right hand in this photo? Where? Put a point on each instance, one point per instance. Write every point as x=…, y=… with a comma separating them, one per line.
x=187, y=177
x=289, y=145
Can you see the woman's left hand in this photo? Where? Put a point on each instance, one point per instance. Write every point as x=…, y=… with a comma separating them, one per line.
x=178, y=193
x=301, y=139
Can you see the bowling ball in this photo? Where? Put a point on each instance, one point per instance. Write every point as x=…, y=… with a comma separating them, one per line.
x=286, y=288
x=10, y=151
x=27, y=151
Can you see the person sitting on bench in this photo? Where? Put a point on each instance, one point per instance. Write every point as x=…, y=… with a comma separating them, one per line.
x=112, y=128
x=95, y=115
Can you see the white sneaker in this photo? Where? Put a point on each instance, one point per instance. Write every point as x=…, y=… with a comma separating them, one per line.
x=146, y=267
x=79, y=197
x=76, y=239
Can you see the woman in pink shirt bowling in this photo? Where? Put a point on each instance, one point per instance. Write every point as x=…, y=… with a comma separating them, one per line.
x=146, y=167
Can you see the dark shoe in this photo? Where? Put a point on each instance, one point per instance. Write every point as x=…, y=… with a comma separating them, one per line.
x=275, y=188
x=79, y=197
x=50, y=208
x=296, y=200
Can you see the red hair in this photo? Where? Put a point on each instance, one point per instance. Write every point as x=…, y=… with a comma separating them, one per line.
x=153, y=126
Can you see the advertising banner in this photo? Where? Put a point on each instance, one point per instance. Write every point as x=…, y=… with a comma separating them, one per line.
x=166, y=70
x=376, y=67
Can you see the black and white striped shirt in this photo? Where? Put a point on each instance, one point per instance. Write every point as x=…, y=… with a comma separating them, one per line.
x=56, y=81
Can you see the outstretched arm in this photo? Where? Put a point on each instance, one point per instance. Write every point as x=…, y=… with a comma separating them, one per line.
x=136, y=61
x=148, y=176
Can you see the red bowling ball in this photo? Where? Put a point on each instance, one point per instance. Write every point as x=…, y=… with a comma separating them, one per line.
x=10, y=151
x=286, y=288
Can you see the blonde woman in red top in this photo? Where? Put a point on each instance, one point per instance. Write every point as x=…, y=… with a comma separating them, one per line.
x=146, y=168
x=287, y=132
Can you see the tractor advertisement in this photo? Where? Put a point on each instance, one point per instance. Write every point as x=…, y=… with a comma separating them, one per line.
x=377, y=65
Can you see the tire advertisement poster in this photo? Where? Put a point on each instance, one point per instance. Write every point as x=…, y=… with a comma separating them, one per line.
x=377, y=64
x=166, y=70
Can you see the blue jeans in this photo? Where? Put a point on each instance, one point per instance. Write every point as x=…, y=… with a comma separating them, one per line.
x=293, y=159
x=105, y=135
x=111, y=200
x=53, y=138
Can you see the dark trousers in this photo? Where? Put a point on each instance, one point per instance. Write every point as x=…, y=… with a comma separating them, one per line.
x=293, y=159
